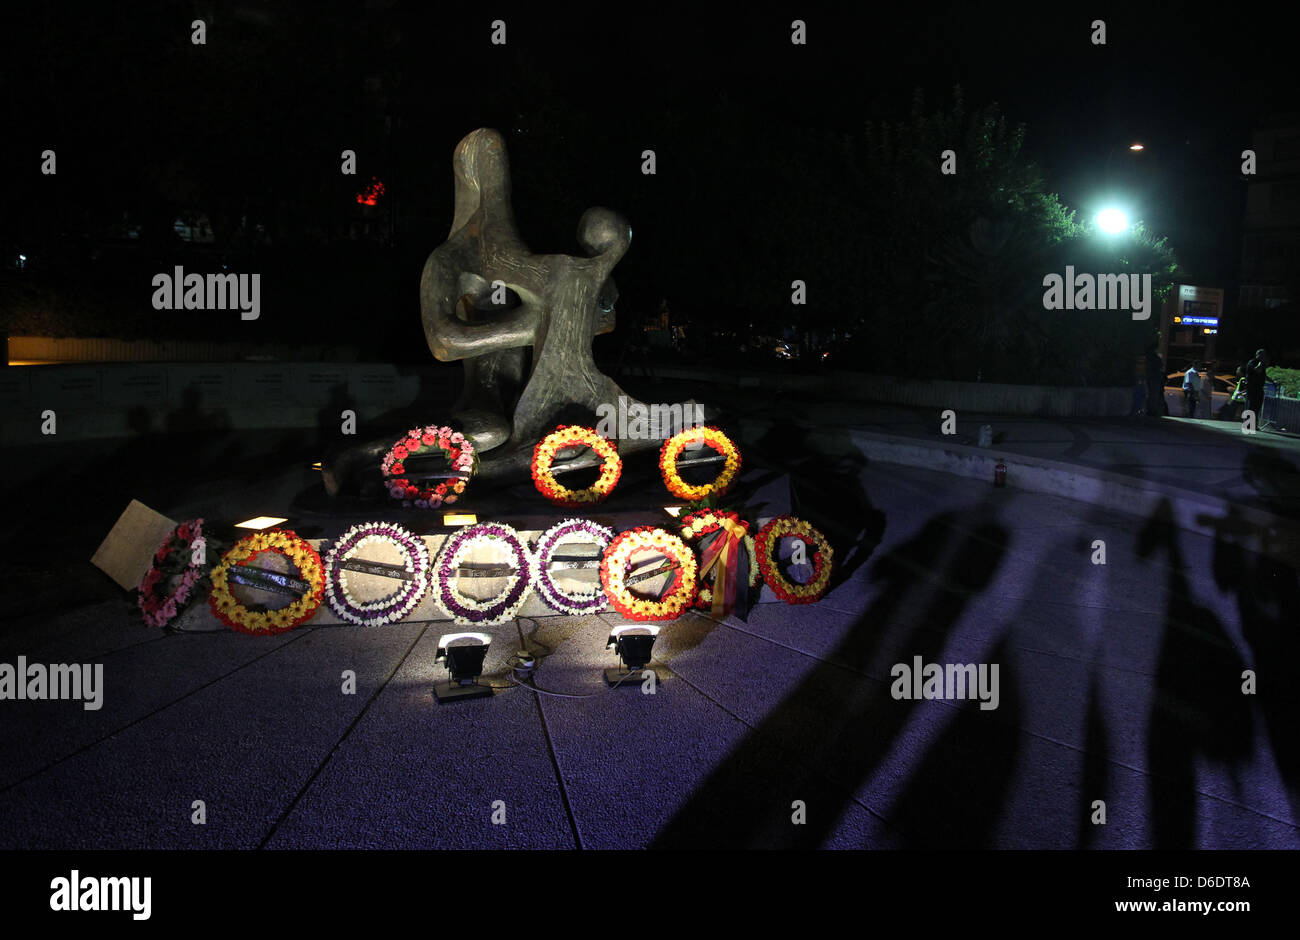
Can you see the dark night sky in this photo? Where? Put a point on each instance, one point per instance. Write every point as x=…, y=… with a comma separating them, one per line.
x=1188, y=81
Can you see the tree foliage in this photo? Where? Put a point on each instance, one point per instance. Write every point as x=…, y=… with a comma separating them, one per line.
x=956, y=261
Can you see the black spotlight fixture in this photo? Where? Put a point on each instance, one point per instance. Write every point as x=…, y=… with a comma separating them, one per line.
x=634, y=644
x=463, y=654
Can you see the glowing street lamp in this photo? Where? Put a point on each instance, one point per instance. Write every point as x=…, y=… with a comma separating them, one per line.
x=1112, y=221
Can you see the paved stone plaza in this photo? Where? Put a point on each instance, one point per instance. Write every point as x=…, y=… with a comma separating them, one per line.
x=1119, y=682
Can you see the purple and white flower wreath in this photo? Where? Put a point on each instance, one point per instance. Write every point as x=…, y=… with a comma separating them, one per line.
x=468, y=610
x=583, y=602
x=395, y=606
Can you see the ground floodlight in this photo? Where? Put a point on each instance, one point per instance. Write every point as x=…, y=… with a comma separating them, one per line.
x=463, y=655
x=260, y=522
x=1112, y=221
x=633, y=643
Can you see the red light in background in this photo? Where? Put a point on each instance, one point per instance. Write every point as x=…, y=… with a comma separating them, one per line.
x=370, y=195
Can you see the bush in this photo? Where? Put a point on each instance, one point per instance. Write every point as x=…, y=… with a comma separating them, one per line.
x=1288, y=381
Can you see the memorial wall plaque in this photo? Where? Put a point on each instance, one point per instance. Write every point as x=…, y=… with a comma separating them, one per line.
x=73, y=387
x=15, y=387
x=318, y=385
x=207, y=387
x=135, y=386
x=262, y=384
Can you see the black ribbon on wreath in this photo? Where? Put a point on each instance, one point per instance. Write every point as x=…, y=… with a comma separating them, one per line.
x=724, y=553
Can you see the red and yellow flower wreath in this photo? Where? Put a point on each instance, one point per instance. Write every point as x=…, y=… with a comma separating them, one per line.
x=230, y=611
x=715, y=439
x=697, y=525
x=769, y=537
x=571, y=436
x=614, y=574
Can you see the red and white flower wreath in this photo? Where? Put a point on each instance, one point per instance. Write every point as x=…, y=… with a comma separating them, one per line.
x=455, y=447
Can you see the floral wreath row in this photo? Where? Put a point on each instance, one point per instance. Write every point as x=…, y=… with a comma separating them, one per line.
x=327, y=579
x=611, y=468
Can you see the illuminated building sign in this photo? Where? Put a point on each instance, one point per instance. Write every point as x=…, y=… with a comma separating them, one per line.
x=1199, y=313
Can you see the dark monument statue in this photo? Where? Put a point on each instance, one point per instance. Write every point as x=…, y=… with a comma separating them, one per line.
x=521, y=323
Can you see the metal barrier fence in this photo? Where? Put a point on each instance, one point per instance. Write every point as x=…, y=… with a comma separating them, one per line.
x=1283, y=414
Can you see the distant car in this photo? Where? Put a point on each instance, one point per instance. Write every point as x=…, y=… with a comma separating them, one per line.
x=783, y=351
x=1219, y=383
x=1210, y=405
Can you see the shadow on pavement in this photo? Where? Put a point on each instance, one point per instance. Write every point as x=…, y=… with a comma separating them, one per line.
x=1268, y=599
x=826, y=490
x=840, y=721
x=1276, y=479
x=1199, y=712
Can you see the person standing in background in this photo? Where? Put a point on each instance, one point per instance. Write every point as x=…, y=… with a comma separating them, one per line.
x=1237, y=401
x=1191, y=390
x=1139, y=405
x=1155, y=405
x=1256, y=376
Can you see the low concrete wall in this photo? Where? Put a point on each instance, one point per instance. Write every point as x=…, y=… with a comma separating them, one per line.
x=985, y=397
x=119, y=400
x=1253, y=529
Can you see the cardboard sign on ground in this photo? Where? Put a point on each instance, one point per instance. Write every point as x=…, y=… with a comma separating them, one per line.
x=127, y=551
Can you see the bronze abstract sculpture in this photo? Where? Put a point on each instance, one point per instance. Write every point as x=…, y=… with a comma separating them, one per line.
x=521, y=323
x=555, y=305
